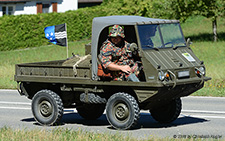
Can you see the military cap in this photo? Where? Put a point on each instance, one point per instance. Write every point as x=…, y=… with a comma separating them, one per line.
x=117, y=31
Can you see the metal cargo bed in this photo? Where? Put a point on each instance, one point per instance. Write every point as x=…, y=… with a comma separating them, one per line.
x=50, y=70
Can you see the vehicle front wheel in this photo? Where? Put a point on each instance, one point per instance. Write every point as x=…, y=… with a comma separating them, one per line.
x=122, y=111
x=47, y=107
x=167, y=113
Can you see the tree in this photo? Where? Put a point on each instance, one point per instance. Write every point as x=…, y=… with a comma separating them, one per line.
x=213, y=9
x=208, y=8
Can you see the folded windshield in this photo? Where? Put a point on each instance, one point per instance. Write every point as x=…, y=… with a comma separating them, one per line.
x=161, y=36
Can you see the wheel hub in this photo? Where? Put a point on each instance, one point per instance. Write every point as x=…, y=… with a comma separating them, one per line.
x=45, y=108
x=121, y=111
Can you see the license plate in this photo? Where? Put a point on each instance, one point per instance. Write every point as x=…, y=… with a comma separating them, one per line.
x=183, y=74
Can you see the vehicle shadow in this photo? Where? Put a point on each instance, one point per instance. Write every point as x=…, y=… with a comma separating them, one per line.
x=145, y=121
x=75, y=118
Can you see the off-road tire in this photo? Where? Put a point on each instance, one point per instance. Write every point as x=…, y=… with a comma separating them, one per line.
x=167, y=113
x=47, y=107
x=122, y=111
x=91, y=111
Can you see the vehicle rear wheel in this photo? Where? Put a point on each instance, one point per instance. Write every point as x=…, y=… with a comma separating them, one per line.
x=47, y=107
x=168, y=112
x=91, y=111
x=122, y=111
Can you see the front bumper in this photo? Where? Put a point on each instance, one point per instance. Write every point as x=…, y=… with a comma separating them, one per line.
x=174, y=83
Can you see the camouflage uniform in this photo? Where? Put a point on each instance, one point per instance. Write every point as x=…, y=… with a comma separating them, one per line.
x=122, y=55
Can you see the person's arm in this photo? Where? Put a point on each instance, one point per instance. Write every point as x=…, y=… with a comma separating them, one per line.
x=115, y=67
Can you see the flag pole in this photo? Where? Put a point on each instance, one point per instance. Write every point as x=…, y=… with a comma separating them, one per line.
x=67, y=50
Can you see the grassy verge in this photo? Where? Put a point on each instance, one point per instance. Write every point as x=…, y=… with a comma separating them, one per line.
x=59, y=134
x=213, y=56
x=199, y=29
x=214, y=59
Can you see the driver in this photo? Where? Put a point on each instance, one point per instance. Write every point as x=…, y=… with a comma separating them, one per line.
x=115, y=56
x=148, y=33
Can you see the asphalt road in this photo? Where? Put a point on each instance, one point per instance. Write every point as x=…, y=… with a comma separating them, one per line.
x=201, y=117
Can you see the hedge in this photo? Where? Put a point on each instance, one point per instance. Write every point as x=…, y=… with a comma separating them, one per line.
x=24, y=31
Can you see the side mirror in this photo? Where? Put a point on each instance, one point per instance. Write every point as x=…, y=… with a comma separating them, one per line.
x=188, y=42
x=133, y=47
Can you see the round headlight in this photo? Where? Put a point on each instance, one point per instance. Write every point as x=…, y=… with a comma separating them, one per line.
x=202, y=70
x=161, y=75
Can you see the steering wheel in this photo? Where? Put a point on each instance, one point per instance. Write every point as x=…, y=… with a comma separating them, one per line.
x=168, y=43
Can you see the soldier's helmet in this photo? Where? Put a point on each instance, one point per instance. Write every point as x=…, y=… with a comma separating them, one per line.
x=117, y=31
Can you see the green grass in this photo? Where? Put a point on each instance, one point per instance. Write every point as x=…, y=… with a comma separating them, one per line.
x=38, y=54
x=59, y=134
x=213, y=55
x=199, y=30
x=64, y=134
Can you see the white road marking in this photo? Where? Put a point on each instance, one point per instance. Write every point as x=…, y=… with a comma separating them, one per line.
x=8, y=90
x=22, y=108
x=203, y=97
x=210, y=116
x=202, y=111
x=195, y=112
x=201, y=116
x=15, y=108
x=14, y=103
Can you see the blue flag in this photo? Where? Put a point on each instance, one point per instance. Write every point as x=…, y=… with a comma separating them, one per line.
x=56, y=34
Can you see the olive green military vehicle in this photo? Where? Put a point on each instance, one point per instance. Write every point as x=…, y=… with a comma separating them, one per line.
x=170, y=71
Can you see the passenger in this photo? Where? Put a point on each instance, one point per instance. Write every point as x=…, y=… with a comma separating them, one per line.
x=115, y=56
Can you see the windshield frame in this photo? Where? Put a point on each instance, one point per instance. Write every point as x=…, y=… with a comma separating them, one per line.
x=161, y=38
